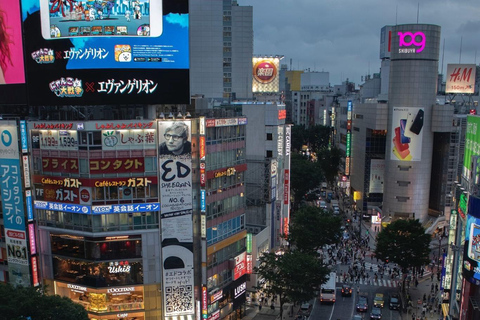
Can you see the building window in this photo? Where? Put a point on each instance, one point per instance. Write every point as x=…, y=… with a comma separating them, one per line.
x=269, y=153
x=269, y=136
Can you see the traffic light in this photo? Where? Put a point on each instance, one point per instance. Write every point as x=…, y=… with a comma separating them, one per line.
x=366, y=232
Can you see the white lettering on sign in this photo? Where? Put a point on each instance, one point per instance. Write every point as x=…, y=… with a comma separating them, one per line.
x=238, y=291
x=121, y=290
x=119, y=269
x=76, y=287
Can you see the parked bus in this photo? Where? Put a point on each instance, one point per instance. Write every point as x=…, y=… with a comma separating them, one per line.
x=328, y=290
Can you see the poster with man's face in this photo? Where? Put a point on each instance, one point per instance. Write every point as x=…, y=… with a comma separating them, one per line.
x=174, y=138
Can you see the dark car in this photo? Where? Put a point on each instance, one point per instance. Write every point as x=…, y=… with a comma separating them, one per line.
x=376, y=313
x=394, y=303
x=362, y=304
x=346, y=290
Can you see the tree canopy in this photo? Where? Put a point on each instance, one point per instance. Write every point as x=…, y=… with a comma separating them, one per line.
x=311, y=228
x=405, y=243
x=293, y=276
x=305, y=175
x=22, y=302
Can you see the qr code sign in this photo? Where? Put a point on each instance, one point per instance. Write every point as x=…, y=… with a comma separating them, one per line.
x=178, y=299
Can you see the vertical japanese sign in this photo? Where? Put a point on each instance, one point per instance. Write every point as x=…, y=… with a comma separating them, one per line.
x=472, y=143
x=348, y=146
x=175, y=168
x=13, y=204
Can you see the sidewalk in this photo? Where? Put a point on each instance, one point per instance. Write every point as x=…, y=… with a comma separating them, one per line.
x=267, y=313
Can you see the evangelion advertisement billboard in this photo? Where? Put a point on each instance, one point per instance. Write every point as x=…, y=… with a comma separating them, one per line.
x=175, y=171
x=407, y=133
x=106, y=51
x=12, y=74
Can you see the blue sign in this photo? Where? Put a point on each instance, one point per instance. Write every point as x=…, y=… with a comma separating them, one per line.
x=23, y=136
x=66, y=207
x=29, y=205
x=203, y=202
x=124, y=208
x=107, y=209
x=12, y=195
x=349, y=105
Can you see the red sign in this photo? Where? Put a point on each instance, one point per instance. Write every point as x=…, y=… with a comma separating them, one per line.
x=202, y=148
x=16, y=234
x=249, y=264
x=52, y=126
x=31, y=233
x=35, y=271
x=57, y=194
x=285, y=226
x=282, y=114
x=215, y=315
x=286, y=186
x=210, y=123
x=123, y=126
x=203, y=178
x=240, y=266
x=117, y=165
x=85, y=195
x=98, y=182
x=264, y=71
x=64, y=165
x=216, y=296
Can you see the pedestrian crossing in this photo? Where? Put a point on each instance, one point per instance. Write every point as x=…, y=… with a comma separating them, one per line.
x=379, y=283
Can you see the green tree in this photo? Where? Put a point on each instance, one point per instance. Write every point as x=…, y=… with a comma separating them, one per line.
x=311, y=228
x=405, y=243
x=21, y=302
x=305, y=175
x=318, y=138
x=299, y=137
x=293, y=276
x=329, y=161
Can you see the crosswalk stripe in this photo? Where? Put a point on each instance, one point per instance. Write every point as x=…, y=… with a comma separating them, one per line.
x=378, y=283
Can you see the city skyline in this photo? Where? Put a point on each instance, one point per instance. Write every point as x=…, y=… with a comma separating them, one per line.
x=343, y=38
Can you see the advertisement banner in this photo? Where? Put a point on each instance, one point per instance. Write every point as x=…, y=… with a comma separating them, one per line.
x=13, y=204
x=240, y=265
x=265, y=74
x=175, y=169
x=471, y=255
x=117, y=165
x=64, y=165
x=111, y=51
x=377, y=172
x=472, y=143
x=407, y=133
x=460, y=78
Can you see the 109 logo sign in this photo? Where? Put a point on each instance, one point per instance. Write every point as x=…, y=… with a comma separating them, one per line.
x=408, y=39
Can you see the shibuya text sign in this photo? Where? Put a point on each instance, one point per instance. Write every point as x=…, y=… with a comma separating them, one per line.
x=411, y=42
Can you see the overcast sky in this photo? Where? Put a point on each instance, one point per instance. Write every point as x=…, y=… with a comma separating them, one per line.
x=343, y=36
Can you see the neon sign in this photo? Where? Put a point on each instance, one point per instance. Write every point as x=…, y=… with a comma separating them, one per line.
x=407, y=39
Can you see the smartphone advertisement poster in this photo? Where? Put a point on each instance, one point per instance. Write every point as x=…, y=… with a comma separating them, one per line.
x=106, y=51
x=407, y=134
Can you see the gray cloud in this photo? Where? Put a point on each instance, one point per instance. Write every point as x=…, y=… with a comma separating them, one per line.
x=343, y=37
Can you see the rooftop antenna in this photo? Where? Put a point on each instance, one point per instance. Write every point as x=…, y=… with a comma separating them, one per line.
x=443, y=56
x=418, y=11
x=396, y=15
x=475, y=57
x=460, y=58
x=291, y=64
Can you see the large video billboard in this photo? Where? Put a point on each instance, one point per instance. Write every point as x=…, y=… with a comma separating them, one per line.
x=12, y=70
x=266, y=74
x=106, y=51
x=460, y=78
x=175, y=169
x=472, y=143
x=471, y=256
x=407, y=133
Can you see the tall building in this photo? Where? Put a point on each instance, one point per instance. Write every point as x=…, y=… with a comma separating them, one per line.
x=408, y=158
x=221, y=49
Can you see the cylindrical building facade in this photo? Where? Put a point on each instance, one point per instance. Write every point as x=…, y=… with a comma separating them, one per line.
x=412, y=91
